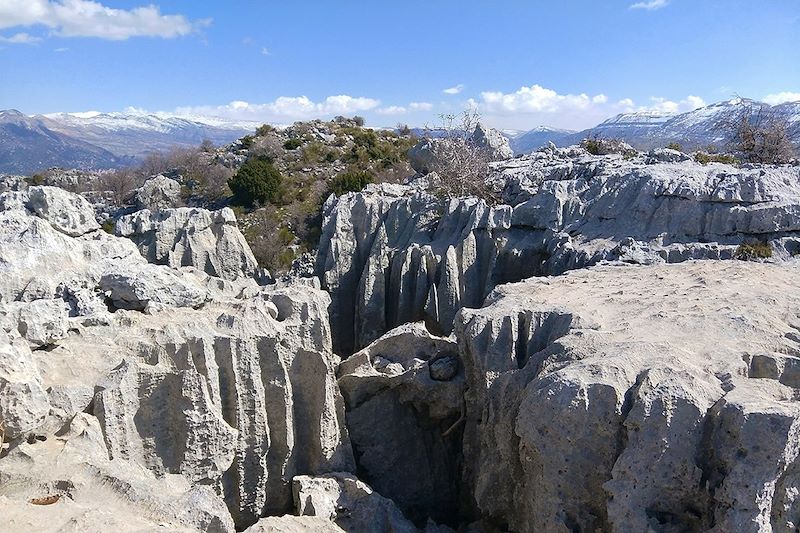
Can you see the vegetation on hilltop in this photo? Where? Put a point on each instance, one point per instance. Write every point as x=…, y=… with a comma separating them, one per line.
x=278, y=179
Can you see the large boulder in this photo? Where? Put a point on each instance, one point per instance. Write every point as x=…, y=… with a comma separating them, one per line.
x=207, y=240
x=68, y=213
x=351, y=504
x=427, y=155
x=158, y=192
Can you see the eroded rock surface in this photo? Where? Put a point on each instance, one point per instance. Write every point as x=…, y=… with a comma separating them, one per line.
x=207, y=240
x=223, y=389
x=404, y=396
x=624, y=398
x=393, y=254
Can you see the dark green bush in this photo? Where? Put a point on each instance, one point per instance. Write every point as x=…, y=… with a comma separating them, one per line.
x=264, y=129
x=675, y=146
x=705, y=158
x=350, y=181
x=293, y=144
x=752, y=250
x=256, y=181
x=592, y=146
x=247, y=141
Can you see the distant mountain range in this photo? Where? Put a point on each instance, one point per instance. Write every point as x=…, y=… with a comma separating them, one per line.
x=30, y=144
x=645, y=130
x=101, y=140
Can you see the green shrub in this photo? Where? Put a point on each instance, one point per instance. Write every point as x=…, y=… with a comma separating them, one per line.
x=705, y=158
x=592, y=146
x=350, y=181
x=257, y=181
x=293, y=144
x=247, y=141
x=36, y=179
x=108, y=226
x=675, y=146
x=752, y=250
x=264, y=130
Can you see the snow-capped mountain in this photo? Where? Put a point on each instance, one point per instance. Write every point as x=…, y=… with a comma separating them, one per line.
x=531, y=140
x=28, y=145
x=135, y=134
x=703, y=127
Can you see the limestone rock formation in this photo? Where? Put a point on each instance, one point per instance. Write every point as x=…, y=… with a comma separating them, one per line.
x=66, y=482
x=394, y=254
x=158, y=192
x=350, y=503
x=427, y=154
x=627, y=399
x=224, y=388
x=207, y=240
x=404, y=396
x=68, y=213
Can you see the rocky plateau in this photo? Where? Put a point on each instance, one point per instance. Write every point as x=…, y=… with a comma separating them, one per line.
x=594, y=353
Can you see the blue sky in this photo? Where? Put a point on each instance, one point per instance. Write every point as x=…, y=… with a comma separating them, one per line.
x=522, y=63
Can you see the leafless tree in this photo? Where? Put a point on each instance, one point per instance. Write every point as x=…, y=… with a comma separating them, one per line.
x=460, y=162
x=758, y=135
x=120, y=183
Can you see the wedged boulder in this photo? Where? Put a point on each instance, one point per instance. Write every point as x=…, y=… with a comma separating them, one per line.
x=24, y=404
x=207, y=240
x=349, y=503
x=158, y=192
x=294, y=524
x=69, y=213
x=626, y=397
x=400, y=416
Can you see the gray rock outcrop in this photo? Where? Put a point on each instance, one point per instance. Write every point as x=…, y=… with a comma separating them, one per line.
x=68, y=213
x=349, y=503
x=395, y=254
x=224, y=389
x=158, y=192
x=629, y=398
x=427, y=154
x=207, y=240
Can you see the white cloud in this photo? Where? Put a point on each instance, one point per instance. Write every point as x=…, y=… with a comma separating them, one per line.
x=265, y=51
x=88, y=18
x=420, y=106
x=662, y=105
x=780, y=98
x=651, y=5
x=393, y=110
x=20, y=38
x=61, y=50
x=454, y=90
x=536, y=105
x=285, y=108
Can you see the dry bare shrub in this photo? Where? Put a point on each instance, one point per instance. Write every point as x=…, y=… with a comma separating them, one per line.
x=759, y=135
x=121, y=184
x=461, y=164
